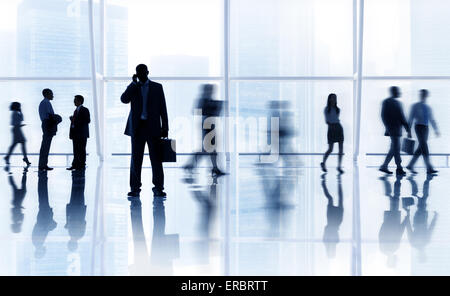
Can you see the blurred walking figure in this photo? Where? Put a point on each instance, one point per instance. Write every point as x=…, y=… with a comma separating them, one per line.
x=209, y=108
x=394, y=119
x=281, y=109
x=18, y=137
x=335, y=132
x=422, y=115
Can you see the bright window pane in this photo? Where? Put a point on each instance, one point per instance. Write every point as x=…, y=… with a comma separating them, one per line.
x=173, y=37
x=403, y=37
x=291, y=37
x=44, y=38
x=302, y=103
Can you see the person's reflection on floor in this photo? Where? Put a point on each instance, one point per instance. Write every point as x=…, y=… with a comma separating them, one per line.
x=206, y=197
x=334, y=217
x=277, y=186
x=44, y=221
x=419, y=234
x=17, y=201
x=392, y=229
x=165, y=247
x=278, y=176
x=76, y=210
x=207, y=200
x=141, y=264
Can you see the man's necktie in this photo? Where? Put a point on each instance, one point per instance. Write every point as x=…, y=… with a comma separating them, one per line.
x=73, y=117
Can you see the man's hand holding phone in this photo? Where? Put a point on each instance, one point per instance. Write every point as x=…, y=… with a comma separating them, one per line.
x=135, y=78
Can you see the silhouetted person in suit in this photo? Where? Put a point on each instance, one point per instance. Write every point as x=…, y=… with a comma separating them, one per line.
x=394, y=119
x=18, y=137
x=209, y=108
x=79, y=133
x=392, y=229
x=50, y=122
x=419, y=234
x=76, y=211
x=335, y=132
x=44, y=221
x=147, y=123
x=422, y=115
x=335, y=216
x=18, y=197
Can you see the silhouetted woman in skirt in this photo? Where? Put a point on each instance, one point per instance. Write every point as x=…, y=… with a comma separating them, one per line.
x=18, y=137
x=335, y=131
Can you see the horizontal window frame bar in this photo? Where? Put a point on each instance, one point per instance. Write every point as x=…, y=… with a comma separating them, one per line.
x=235, y=78
x=405, y=154
x=241, y=154
x=167, y=78
x=283, y=154
x=292, y=78
x=31, y=79
x=431, y=77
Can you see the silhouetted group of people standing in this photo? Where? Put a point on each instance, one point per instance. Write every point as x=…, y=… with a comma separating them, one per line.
x=79, y=131
x=148, y=122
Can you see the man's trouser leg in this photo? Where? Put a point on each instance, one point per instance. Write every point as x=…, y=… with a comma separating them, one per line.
x=45, y=149
x=156, y=161
x=137, y=155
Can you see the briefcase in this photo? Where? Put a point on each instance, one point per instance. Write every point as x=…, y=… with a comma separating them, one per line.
x=168, y=150
x=408, y=146
x=407, y=202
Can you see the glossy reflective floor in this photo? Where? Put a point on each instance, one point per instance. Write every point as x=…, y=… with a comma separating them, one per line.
x=258, y=220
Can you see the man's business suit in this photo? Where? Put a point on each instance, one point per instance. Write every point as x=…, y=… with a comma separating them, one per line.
x=145, y=126
x=49, y=128
x=393, y=119
x=79, y=133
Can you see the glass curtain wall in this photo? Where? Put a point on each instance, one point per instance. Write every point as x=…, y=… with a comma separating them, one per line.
x=292, y=51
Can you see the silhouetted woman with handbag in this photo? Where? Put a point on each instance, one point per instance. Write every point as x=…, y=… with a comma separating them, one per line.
x=335, y=131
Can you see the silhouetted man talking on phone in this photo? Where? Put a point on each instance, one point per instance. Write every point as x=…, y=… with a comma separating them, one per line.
x=147, y=124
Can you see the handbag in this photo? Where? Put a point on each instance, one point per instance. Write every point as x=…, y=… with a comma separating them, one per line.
x=408, y=146
x=168, y=150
